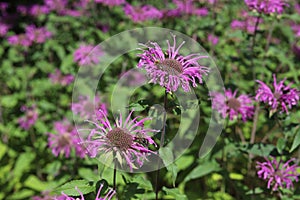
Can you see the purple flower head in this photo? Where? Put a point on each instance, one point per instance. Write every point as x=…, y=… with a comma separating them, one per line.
x=280, y=96
x=278, y=174
x=21, y=40
x=170, y=69
x=3, y=29
x=213, y=39
x=65, y=139
x=142, y=13
x=38, y=35
x=56, y=5
x=186, y=7
x=296, y=29
x=124, y=141
x=267, y=6
x=87, y=55
x=247, y=23
x=108, y=196
x=111, y=2
x=233, y=106
x=88, y=109
x=30, y=117
x=37, y=10
x=22, y=9
x=58, y=78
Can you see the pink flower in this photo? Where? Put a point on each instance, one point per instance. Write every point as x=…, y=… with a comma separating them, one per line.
x=247, y=23
x=30, y=117
x=56, y=5
x=108, y=196
x=267, y=6
x=213, y=39
x=65, y=139
x=142, y=13
x=21, y=40
x=170, y=69
x=3, y=29
x=37, y=10
x=233, y=106
x=280, y=96
x=87, y=55
x=58, y=78
x=111, y=2
x=296, y=29
x=38, y=35
x=124, y=141
x=278, y=174
x=186, y=7
x=88, y=109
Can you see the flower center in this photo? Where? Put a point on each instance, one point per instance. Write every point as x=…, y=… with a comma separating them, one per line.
x=173, y=67
x=64, y=140
x=234, y=104
x=120, y=138
x=277, y=95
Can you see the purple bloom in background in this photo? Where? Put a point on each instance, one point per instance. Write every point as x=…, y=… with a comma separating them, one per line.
x=58, y=78
x=280, y=96
x=21, y=39
x=37, y=10
x=111, y=2
x=88, y=109
x=278, y=174
x=56, y=5
x=122, y=141
x=38, y=35
x=296, y=29
x=212, y=39
x=3, y=29
x=186, y=7
x=108, y=196
x=87, y=55
x=22, y=9
x=142, y=13
x=170, y=69
x=133, y=78
x=30, y=117
x=65, y=139
x=267, y=6
x=233, y=106
x=247, y=23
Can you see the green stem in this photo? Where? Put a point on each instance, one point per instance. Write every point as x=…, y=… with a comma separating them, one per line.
x=115, y=177
x=162, y=140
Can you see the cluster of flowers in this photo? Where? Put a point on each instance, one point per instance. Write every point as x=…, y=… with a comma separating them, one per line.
x=32, y=35
x=280, y=98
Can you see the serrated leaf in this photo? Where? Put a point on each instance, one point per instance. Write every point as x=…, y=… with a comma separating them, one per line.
x=258, y=149
x=69, y=188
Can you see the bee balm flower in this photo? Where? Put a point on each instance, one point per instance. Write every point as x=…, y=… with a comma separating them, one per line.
x=171, y=69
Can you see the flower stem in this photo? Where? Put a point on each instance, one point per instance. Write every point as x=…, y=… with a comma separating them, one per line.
x=253, y=45
x=115, y=177
x=162, y=140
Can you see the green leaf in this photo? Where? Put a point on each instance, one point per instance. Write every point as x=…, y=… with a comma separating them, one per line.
x=236, y=176
x=296, y=141
x=280, y=144
x=175, y=193
x=69, y=188
x=255, y=191
x=3, y=149
x=202, y=170
x=9, y=101
x=167, y=156
x=258, y=149
x=34, y=183
x=23, y=194
x=23, y=163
